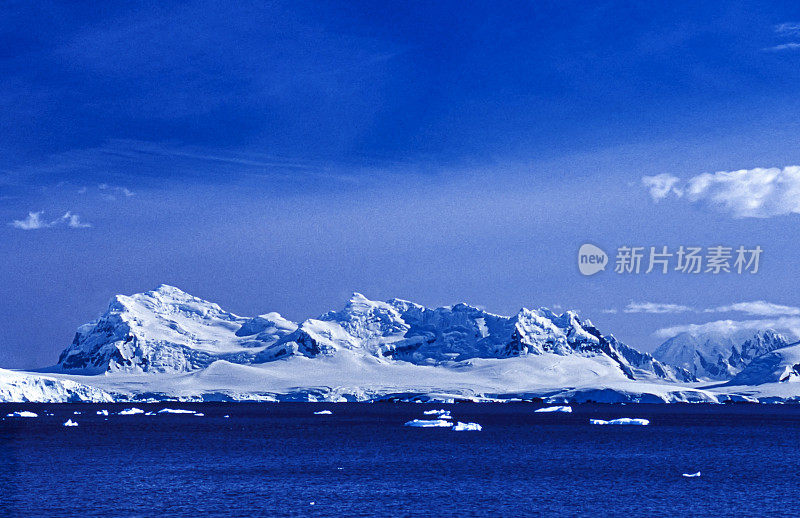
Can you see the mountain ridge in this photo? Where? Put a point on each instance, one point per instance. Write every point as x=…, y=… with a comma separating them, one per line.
x=168, y=330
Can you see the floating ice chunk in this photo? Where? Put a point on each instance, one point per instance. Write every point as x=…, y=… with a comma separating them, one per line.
x=691, y=475
x=323, y=412
x=70, y=422
x=226, y=416
x=622, y=420
x=150, y=413
x=23, y=413
x=429, y=423
x=436, y=412
x=567, y=409
x=131, y=411
x=102, y=412
x=467, y=427
x=199, y=414
x=76, y=413
x=175, y=411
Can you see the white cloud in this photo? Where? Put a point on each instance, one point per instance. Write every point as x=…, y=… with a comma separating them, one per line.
x=72, y=221
x=788, y=29
x=655, y=308
x=110, y=191
x=758, y=308
x=787, y=325
x=746, y=193
x=662, y=185
x=785, y=46
x=34, y=221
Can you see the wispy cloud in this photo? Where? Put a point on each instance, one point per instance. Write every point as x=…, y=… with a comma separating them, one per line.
x=661, y=185
x=655, y=308
x=120, y=162
x=788, y=29
x=746, y=193
x=792, y=45
x=110, y=192
x=34, y=221
x=787, y=325
x=757, y=307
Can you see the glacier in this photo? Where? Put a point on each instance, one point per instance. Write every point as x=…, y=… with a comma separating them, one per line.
x=165, y=344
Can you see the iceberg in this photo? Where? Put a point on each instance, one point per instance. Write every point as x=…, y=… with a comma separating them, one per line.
x=102, y=412
x=23, y=413
x=70, y=422
x=691, y=475
x=436, y=412
x=467, y=427
x=175, y=411
x=441, y=414
x=131, y=411
x=622, y=420
x=429, y=423
x=323, y=412
x=566, y=409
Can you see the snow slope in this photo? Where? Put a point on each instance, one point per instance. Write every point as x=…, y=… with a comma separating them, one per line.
x=351, y=376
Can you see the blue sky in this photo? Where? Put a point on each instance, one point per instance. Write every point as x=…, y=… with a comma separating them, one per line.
x=276, y=157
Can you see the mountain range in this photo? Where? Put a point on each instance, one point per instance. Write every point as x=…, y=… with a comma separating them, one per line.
x=166, y=344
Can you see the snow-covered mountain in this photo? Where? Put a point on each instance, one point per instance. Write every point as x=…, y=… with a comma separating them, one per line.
x=167, y=330
x=778, y=366
x=718, y=355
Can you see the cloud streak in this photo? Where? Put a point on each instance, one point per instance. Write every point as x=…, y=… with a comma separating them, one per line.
x=655, y=308
x=758, y=308
x=788, y=29
x=784, y=46
x=110, y=192
x=746, y=193
x=34, y=221
x=789, y=325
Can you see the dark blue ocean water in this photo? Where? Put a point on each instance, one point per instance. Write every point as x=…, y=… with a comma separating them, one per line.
x=276, y=459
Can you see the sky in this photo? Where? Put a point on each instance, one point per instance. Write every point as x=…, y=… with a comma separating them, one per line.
x=280, y=156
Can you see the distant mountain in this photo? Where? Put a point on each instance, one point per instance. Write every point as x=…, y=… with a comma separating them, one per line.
x=718, y=355
x=778, y=366
x=167, y=330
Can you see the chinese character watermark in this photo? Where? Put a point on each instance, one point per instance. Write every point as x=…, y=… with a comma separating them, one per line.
x=661, y=260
